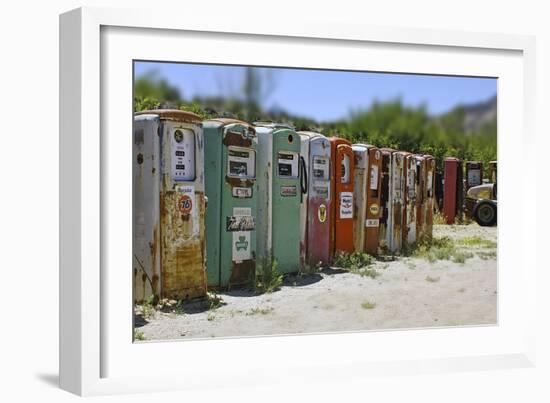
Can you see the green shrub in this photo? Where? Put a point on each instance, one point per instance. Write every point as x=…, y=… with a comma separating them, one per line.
x=356, y=262
x=268, y=277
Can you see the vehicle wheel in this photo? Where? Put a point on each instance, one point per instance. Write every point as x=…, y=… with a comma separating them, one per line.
x=485, y=214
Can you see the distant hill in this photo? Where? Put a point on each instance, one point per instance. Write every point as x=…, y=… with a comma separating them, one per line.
x=479, y=115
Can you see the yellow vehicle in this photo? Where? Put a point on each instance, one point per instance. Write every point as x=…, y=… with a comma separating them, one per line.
x=481, y=204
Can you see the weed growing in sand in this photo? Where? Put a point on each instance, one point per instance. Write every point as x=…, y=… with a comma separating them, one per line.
x=476, y=241
x=138, y=335
x=440, y=249
x=439, y=219
x=430, y=279
x=268, y=278
x=147, y=308
x=487, y=255
x=368, y=305
x=261, y=311
x=308, y=269
x=410, y=265
x=461, y=256
x=357, y=263
x=214, y=300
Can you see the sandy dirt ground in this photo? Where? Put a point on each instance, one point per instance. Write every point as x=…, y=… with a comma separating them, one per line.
x=407, y=293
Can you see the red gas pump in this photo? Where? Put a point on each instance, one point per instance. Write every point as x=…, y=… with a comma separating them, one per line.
x=452, y=189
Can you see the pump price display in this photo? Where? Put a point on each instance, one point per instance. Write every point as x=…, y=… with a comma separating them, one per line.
x=238, y=168
x=183, y=155
x=374, y=177
x=320, y=167
x=240, y=162
x=321, y=183
x=345, y=168
x=288, y=164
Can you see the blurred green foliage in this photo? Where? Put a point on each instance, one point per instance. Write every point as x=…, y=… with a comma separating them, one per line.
x=384, y=124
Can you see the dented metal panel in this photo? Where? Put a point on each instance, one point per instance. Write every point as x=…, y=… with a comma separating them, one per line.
x=169, y=206
x=361, y=155
x=411, y=197
x=146, y=191
x=385, y=200
x=429, y=188
x=397, y=200
x=372, y=221
x=421, y=196
x=231, y=218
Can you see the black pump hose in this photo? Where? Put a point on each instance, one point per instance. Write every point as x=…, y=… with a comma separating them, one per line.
x=303, y=178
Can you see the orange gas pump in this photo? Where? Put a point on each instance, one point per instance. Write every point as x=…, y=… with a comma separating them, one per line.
x=343, y=169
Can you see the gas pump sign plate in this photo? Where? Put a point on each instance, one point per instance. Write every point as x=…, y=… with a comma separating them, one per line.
x=346, y=205
x=287, y=191
x=239, y=223
x=474, y=177
x=241, y=246
x=241, y=192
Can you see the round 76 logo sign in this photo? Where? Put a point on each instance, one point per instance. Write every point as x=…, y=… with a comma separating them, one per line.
x=185, y=204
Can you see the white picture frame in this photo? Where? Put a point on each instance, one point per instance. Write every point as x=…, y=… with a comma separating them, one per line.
x=96, y=352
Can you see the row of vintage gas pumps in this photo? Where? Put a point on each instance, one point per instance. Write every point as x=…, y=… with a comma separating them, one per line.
x=214, y=199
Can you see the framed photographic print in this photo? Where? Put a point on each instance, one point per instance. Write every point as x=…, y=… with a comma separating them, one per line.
x=331, y=187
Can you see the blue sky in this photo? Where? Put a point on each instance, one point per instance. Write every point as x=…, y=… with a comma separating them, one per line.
x=327, y=95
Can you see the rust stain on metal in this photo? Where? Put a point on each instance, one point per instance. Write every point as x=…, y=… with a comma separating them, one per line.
x=239, y=182
x=384, y=198
x=430, y=195
x=236, y=139
x=397, y=223
x=155, y=276
x=242, y=273
x=173, y=114
x=228, y=121
x=183, y=253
